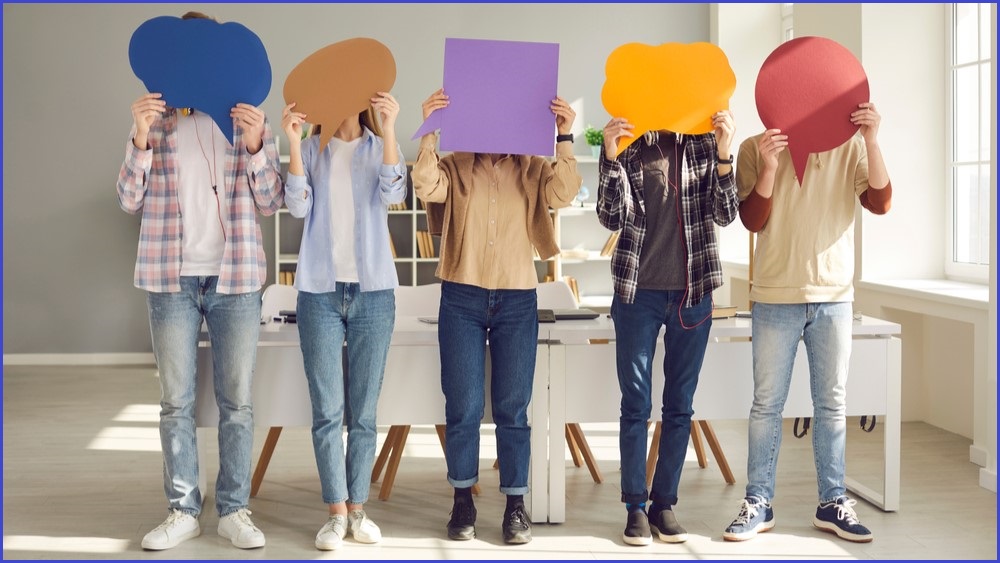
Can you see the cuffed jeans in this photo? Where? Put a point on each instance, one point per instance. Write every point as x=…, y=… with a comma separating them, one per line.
x=233, y=321
x=508, y=318
x=637, y=326
x=826, y=330
x=365, y=320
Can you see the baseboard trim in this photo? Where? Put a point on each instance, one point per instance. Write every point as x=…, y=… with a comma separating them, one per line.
x=988, y=479
x=77, y=359
x=979, y=455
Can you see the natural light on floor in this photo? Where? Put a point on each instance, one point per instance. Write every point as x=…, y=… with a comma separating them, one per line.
x=127, y=439
x=64, y=545
x=139, y=413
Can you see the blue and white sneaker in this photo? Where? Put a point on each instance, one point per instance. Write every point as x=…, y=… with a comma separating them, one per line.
x=838, y=517
x=755, y=516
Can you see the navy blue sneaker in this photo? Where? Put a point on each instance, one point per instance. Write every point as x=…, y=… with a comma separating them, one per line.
x=755, y=516
x=838, y=517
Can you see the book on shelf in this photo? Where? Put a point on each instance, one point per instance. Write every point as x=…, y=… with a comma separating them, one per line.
x=392, y=247
x=430, y=245
x=723, y=312
x=425, y=244
x=571, y=282
x=286, y=278
x=609, y=246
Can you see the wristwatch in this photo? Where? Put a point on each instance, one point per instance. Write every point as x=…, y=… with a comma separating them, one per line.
x=725, y=161
x=566, y=137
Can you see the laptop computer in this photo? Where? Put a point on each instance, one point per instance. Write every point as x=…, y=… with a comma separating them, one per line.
x=553, y=315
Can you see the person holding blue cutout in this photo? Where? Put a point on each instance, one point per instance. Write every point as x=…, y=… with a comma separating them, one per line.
x=346, y=280
x=491, y=209
x=201, y=258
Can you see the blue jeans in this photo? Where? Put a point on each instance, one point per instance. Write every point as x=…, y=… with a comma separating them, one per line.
x=233, y=325
x=826, y=330
x=508, y=318
x=365, y=320
x=637, y=326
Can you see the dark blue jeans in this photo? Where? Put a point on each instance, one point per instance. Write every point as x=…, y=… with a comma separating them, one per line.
x=637, y=326
x=508, y=319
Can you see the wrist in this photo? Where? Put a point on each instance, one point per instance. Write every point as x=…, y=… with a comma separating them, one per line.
x=728, y=159
x=564, y=137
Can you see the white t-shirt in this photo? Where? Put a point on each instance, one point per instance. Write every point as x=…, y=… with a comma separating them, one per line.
x=342, y=209
x=199, y=169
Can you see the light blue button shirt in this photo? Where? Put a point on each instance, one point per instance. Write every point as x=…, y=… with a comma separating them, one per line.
x=375, y=187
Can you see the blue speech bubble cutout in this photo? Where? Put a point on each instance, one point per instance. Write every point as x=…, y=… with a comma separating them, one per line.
x=201, y=64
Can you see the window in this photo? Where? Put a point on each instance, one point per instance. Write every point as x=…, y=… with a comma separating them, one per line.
x=786, y=22
x=971, y=102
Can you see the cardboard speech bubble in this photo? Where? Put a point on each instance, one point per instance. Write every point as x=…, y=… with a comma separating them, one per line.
x=202, y=64
x=673, y=86
x=808, y=87
x=499, y=93
x=338, y=81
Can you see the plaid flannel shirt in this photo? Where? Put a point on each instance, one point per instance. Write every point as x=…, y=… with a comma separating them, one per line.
x=148, y=182
x=705, y=198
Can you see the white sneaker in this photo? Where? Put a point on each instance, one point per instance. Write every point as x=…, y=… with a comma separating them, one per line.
x=331, y=535
x=178, y=527
x=362, y=528
x=238, y=528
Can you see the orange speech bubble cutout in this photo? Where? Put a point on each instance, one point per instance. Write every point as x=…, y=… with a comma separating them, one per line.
x=808, y=87
x=338, y=81
x=674, y=86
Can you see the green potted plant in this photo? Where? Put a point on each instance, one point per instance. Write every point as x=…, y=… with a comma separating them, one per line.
x=595, y=138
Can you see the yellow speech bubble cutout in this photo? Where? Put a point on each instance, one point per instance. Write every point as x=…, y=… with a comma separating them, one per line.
x=674, y=86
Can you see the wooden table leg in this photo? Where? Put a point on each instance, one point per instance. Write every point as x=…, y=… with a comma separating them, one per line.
x=720, y=457
x=383, y=455
x=654, y=452
x=588, y=456
x=265, y=458
x=699, y=449
x=574, y=450
x=390, y=469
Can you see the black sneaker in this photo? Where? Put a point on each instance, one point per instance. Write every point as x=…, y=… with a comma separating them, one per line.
x=664, y=524
x=516, y=525
x=838, y=517
x=462, y=525
x=637, y=529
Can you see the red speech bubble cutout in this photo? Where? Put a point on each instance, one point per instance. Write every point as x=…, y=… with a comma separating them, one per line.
x=673, y=86
x=808, y=88
x=338, y=81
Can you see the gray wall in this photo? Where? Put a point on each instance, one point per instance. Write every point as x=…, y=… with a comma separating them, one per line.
x=69, y=251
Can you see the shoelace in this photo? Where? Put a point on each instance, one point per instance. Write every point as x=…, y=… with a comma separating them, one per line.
x=747, y=512
x=330, y=525
x=518, y=517
x=845, y=511
x=172, y=519
x=243, y=517
x=462, y=512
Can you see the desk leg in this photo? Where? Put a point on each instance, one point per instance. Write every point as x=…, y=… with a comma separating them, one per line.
x=888, y=500
x=538, y=501
x=557, y=424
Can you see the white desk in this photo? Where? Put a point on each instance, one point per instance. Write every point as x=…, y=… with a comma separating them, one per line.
x=583, y=387
x=411, y=392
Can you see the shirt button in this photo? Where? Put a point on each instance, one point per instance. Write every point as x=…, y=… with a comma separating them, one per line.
x=491, y=243
x=493, y=200
x=492, y=221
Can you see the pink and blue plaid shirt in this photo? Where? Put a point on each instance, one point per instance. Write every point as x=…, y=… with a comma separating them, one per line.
x=148, y=182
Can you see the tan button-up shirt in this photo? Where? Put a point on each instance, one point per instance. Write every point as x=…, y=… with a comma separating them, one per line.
x=498, y=207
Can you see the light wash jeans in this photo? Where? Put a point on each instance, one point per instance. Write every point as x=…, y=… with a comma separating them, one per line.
x=468, y=316
x=365, y=320
x=637, y=326
x=233, y=325
x=826, y=330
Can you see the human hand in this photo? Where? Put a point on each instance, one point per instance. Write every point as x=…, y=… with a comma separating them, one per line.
x=388, y=110
x=616, y=128
x=436, y=101
x=868, y=118
x=725, y=127
x=145, y=111
x=564, y=115
x=771, y=143
x=291, y=122
x=251, y=121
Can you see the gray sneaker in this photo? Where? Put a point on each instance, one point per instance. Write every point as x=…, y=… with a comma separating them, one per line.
x=331, y=535
x=755, y=516
x=665, y=526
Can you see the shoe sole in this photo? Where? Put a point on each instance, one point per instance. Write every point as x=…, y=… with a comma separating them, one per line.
x=763, y=527
x=464, y=535
x=640, y=541
x=676, y=538
x=834, y=529
x=192, y=534
x=328, y=546
x=517, y=539
x=252, y=545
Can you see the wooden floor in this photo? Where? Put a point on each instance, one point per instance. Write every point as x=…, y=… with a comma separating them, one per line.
x=82, y=479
